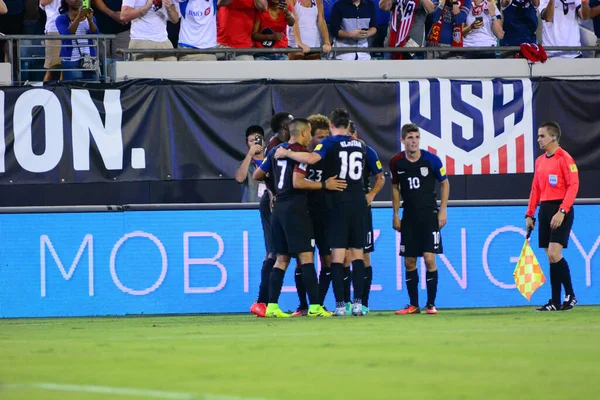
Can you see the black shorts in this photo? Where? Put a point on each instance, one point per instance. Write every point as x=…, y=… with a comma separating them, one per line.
x=369, y=235
x=420, y=233
x=320, y=220
x=265, y=218
x=547, y=235
x=292, y=229
x=346, y=229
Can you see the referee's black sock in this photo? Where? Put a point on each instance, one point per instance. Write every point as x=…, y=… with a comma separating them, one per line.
x=358, y=277
x=265, y=273
x=555, y=282
x=275, y=285
x=309, y=276
x=337, y=278
x=367, y=289
x=412, y=286
x=300, y=287
x=432, y=283
x=347, y=282
x=324, y=282
x=566, y=277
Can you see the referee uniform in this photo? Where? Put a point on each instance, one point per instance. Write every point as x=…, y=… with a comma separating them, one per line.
x=554, y=188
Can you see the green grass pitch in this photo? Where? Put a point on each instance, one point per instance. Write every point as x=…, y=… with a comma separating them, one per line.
x=478, y=354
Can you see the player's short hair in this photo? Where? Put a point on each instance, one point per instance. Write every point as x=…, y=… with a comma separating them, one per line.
x=409, y=128
x=318, y=121
x=340, y=118
x=278, y=120
x=298, y=125
x=352, y=126
x=553, y=129
x=253, y=129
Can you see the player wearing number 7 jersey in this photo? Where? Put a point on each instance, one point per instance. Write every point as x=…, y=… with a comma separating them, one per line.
x=344, y=157
x=414, y=176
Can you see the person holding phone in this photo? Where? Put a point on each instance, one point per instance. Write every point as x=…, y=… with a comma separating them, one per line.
x=352, y=23
x=482, y=28
x=270, y=29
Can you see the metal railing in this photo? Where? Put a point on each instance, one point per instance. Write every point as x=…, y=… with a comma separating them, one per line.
x=15, y=43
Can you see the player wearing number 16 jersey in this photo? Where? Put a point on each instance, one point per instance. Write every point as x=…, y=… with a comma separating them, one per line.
x=414, y=176
x=344, y=157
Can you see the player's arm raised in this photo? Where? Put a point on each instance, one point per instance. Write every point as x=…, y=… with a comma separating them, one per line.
x=298, y=156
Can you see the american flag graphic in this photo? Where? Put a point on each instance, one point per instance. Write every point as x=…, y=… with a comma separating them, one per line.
x=475, y=127
x=401, y=20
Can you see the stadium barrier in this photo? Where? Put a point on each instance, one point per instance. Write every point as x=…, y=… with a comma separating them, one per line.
x=206, y=258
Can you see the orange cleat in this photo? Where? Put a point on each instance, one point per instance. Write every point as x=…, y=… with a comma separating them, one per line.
x=300, y=313
x=259, y=309
x=430, y=309
x=409, y=309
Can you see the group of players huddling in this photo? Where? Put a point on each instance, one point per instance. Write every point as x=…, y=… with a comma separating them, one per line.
x=319, y=193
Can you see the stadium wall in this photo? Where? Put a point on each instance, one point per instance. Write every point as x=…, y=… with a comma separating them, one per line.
x=209, y=260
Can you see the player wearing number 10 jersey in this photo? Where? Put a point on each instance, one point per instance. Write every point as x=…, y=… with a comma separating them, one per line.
x=414, y=176
x=344, y=157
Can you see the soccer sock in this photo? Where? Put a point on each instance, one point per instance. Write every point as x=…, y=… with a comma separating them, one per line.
x=432, y=283
x=337, y=278
x=300, y=287
x=412, y=285
x=275, y=285
x=265, y=273
x=358, y=277
x=367, y=288
x=347, y=282
x=324, y=282
x=555, y=282
x=566, y=277
x=309, y=275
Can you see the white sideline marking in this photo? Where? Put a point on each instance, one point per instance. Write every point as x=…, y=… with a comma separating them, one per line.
x=157, y=394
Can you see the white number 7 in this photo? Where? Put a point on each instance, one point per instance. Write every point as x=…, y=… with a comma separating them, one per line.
x=283, y=165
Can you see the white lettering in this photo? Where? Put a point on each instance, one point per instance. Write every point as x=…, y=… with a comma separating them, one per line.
x=22, y=124
x=46, y=242
x=587, y=257
x=113, y=269
x=484, y=254
x=86, y=120
x=353, y=143
x=187, y=261
x=462, y=281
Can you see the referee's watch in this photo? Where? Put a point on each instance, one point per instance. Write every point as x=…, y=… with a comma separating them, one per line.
x=562, y=210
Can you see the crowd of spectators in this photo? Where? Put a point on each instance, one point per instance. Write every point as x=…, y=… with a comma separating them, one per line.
x=320, y=30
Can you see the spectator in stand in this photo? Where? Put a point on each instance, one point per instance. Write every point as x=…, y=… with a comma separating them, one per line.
x=483, y=28
x=198, y=28
x=270, y=29
x=108, y=14
x=76, y=20
x=595, y=15
x=402, y=23
x=448, y=18
x=352, y=23
x=3, y=8
x=560, y=26
x=309, y=30
x=520, y=22
x=235, y=22
x=149, y=26
x=53, y=47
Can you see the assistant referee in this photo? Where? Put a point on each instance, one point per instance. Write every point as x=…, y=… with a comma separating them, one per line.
x=554, y=188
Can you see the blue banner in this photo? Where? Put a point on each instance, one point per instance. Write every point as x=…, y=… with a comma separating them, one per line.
x=208, y=261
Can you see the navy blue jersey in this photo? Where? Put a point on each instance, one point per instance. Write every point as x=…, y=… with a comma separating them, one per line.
x=372, y=167
x=417, y=179
x=282, y=172
x=317, y=199
x=344, y=157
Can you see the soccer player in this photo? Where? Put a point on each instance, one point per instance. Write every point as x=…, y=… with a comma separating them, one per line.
x=290, y=224
x=344, y=158
x=373, y=167
x=414, y=174
x=280, y=126
x=554, y=188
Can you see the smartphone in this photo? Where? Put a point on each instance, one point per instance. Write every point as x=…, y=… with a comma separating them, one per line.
x=258, y=140
x=85, y=4
x=480, y=19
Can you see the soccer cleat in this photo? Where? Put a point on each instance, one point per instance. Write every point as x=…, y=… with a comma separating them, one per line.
x=365, y=310
x=319, y=312
x=348, y=308
x=409, y=309
x=339, y=312
x=569, y=303
x=548, y=307
x=357, y=310
x=273, y=311
x=300, y=312
x=259, y=309
x=430, y=309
